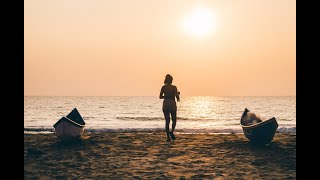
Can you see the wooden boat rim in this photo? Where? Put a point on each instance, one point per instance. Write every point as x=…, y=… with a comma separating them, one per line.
x=77, y=112
x=259, y=124
x=73, y=122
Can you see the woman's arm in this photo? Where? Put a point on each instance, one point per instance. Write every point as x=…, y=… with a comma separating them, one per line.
x=161, y=96
x=177, y=95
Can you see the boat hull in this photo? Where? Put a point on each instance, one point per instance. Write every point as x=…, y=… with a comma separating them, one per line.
x=67, y=129
x=261, y=133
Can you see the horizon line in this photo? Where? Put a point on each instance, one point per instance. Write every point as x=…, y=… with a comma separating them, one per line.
x=154, y=95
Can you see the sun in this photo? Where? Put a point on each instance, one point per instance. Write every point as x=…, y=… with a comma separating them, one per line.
x=200, y=22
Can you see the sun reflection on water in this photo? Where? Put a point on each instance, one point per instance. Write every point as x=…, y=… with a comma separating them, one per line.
x=200, y=107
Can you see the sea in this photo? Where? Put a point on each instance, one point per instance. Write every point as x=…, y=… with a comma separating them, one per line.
x=195, y=114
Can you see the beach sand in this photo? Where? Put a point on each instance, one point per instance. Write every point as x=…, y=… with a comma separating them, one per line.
x=141, y=155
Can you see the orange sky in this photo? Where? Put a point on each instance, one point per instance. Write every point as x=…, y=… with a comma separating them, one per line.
x=126, y=47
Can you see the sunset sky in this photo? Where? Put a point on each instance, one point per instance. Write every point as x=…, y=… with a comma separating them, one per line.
x=126, y=47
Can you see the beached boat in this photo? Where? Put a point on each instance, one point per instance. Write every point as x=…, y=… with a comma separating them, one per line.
x=261, y=132
x=70, y=126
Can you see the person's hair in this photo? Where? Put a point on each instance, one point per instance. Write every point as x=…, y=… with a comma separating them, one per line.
x=168, y=79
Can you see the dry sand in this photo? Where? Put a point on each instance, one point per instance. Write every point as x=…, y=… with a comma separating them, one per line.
x=141, y=155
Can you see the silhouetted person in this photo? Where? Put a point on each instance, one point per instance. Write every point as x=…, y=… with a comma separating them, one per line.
x=169, y=107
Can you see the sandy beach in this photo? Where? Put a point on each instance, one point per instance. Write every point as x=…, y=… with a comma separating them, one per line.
x=141, y=155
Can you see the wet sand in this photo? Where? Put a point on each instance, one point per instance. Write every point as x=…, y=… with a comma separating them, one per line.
x=141, y=155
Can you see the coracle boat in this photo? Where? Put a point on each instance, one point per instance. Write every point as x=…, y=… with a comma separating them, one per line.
x=70, y=126
x=261, y=132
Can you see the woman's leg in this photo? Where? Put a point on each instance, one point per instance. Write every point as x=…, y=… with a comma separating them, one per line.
x=167, y=118
x=174, y=120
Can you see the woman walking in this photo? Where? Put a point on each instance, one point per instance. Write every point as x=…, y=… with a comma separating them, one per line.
x=169, y=107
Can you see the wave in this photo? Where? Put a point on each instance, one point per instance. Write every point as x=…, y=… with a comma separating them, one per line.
x=162, y=118
x=285, y=130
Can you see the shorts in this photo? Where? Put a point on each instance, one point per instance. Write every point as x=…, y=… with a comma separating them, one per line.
x=169, y=105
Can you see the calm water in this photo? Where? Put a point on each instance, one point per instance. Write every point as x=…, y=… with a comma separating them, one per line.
x=196, y=114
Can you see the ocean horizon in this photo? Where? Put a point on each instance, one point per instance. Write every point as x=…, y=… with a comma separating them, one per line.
x=196, y=114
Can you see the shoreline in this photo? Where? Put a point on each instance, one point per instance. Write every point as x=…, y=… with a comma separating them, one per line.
x=280, y=130
x=151, y=132
x=144, y=155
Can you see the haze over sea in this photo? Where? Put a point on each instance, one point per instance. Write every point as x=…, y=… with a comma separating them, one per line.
x=196, y=114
